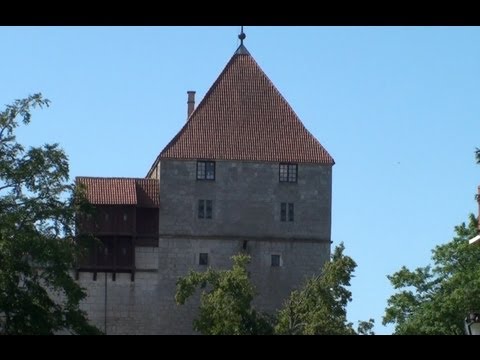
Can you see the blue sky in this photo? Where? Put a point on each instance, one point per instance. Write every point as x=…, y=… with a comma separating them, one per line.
x=397, y=108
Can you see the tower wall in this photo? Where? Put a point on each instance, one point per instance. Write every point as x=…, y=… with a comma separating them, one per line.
x=246, y=198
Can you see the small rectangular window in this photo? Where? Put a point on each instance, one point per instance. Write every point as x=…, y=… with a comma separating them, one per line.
x=203, y=259
x=205, y=170
x=283, y=211
x=201, y=209
x=283, y=172
x=275, y=260
x=210, y=170
x=290, y=212
x=200, y=169
x=288, y=173
x=292, y=173
x=205, y=209
x=208, y=214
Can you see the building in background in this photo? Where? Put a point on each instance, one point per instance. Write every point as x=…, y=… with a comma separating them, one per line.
x=242, y=175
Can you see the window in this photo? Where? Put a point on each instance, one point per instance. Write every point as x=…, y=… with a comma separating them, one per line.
x=201, y=209
x=208, y=205
x=205, y=209
x=283, y=212
x=290, y=211
x=203, y=259
x=275, y=260
x=288, y=173
x=205, y=170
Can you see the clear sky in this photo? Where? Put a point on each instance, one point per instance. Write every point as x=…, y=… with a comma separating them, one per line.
x=397, y=108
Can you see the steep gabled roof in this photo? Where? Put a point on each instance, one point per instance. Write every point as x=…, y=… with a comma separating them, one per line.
x=244, y=117
x=121, y=191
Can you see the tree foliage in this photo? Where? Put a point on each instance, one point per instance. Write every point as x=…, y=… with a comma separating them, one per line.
x=366, y=327
x=226, y=299
x=319, y=307
x=435, y=299
x=37, y=243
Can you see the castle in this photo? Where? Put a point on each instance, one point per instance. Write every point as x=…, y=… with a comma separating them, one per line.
x=243, y=174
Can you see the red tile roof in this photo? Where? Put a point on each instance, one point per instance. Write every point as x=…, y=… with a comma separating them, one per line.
x=121, y=191
x=148, y=192
x=244, y=117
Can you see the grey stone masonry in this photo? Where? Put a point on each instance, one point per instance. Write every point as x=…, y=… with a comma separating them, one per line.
x=246, y=200
x=177, y=256
x=147, y=305
x=131, y=306
x=146, y=258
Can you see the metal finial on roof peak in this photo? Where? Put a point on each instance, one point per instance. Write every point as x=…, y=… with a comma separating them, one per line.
x=242, y=36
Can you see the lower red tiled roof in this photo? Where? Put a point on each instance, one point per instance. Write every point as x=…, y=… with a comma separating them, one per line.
x=121, y=191
x=148, y=192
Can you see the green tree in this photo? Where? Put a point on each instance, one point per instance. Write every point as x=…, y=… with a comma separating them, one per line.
x=366, y=327
x=319, y=307
x=225, y=303
x=477, y=155
x=37, y=243
x=435, y=299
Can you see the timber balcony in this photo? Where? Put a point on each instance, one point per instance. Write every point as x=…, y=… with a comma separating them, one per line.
x=119, y=229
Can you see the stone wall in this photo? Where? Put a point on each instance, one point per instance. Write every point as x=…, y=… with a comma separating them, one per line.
x=132, y=306
x=298, y=260
x=246, y=200
x=147, y=306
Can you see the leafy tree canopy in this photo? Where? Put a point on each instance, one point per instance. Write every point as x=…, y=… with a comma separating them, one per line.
x=435, y=299
x=226, y=299
x=37, y=243
x=319, y=307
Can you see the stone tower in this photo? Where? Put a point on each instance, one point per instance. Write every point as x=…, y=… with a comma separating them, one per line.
x=243, y=174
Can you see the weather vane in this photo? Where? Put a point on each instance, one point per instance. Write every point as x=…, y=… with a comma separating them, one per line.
x=242, y=36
